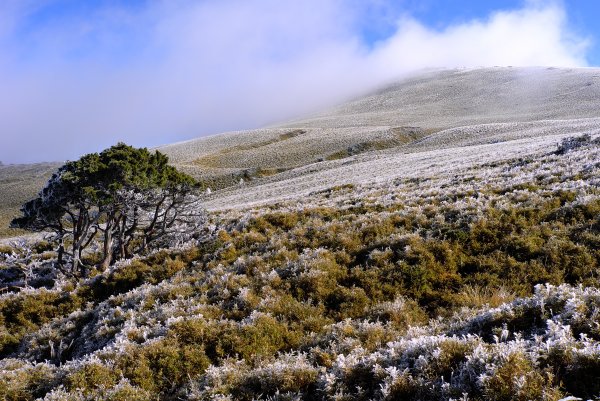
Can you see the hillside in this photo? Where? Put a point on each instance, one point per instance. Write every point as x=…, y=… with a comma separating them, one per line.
x=427, y=112
x=436, y=243
x=18, y=184
x=444, y=99
x=431, y=111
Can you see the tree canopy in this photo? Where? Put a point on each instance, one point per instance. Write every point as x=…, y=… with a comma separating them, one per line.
x=123, y=198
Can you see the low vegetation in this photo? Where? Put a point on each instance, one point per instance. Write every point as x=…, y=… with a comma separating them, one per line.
x=398, y=136
x=482, y=287
x=264, y=153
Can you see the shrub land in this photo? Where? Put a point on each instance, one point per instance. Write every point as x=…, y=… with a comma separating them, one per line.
x=479, y=288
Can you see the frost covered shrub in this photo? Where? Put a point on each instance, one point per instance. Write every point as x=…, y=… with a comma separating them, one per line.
x=163, y=366
x=258, y=335
x=418, y=288
x=26, y=312
x=574, y=142
x=511, y=365
x=400, y=313
x=285, y=221
x=22, y=381
x=517, y=379
x=160, y=368
x=347, y=302
x=290, y=376
x=578, y=369
x=286, y=375
x=478, y=297
x=317, y=277
x=127, y=276
x=92, y=377
x=122, y=391
x=299, y=315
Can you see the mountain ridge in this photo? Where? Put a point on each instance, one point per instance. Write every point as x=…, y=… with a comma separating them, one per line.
x=434, y=109
x=373, y=262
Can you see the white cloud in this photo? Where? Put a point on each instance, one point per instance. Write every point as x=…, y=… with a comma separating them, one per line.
x=188, y=68
x=531, y=36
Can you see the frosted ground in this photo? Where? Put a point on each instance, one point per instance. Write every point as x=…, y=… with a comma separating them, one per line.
x=401, y=127
x=453, y=191
x=430, y=112
x=376, y=170
x=542, y=346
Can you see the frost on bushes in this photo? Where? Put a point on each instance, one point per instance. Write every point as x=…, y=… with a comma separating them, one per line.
x=490, y=355
x=339, y=295
x=575, y=142
x=27, y=264
x=289, y=373
x=122, y=391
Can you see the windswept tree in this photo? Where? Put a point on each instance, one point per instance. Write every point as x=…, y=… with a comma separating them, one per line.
x=124, y=199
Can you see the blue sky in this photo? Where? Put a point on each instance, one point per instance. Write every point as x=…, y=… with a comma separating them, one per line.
x=93, y=72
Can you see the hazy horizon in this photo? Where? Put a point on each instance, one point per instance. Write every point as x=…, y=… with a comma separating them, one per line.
x=78, y=78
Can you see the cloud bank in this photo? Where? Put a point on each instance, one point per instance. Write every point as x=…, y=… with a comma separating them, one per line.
x=156, y=73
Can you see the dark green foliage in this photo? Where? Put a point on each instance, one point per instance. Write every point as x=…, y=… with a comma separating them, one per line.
x=106, y=197
x=582, y=375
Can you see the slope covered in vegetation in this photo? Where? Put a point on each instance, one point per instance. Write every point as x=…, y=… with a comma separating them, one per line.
x=461, y=106
x=428, y=112
x=18, y=184
x=475, y=284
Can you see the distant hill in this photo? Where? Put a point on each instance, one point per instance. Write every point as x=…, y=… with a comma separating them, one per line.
x=18, y=184
x=452, y=98
x=425, y=112
x=438, y=239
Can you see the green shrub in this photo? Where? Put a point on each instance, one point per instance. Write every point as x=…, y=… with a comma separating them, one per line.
x=516, y=379
x=92, y=377
x=26, y=312
x=346, y=302
x=27, y=382
x=298, y=380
